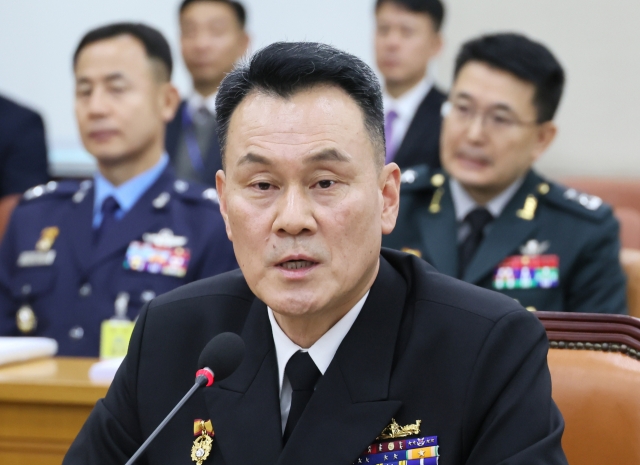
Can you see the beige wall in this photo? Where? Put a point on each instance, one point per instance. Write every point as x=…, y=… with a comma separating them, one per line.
x=598, y=43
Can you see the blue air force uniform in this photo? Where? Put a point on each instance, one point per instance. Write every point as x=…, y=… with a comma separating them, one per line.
x=60, y=277
x=551, y=248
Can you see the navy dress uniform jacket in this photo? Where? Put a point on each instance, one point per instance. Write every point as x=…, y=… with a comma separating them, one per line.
x=421, y=143
x=471, y=364
x=74, y=294
x=212, y=160
x=23, y=152
x=544, y=218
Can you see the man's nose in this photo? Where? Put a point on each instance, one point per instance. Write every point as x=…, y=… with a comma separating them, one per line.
x=295, y=213
x=97, y=104
x=475, y=130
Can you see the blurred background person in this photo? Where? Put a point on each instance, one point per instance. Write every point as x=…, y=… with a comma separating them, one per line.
x=212, y=39
x=491, y=219
x=23, y=155
x=407, y=38
x=79, y=253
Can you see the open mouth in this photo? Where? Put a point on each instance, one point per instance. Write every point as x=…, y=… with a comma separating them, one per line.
x=296, y=264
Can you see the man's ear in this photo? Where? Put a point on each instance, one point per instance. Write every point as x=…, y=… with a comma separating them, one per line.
x=546, y=134
x=390, y=190
x=221, y=185
x=169, y=101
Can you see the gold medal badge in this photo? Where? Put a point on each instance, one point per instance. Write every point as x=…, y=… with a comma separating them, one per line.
x=26, y=319
x=202, y=444
x=394, y=430
x=47, y=238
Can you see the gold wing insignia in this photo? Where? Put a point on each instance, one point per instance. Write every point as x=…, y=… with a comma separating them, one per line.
x=394, y=430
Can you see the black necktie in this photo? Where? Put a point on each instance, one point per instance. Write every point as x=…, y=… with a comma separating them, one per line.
x=477, y=219
x=109, y=208
x=303, y=375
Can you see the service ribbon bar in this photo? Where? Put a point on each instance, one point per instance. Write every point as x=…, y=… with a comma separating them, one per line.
x=200, y=425
x=429, y=461
x=403, y=455
x=404, y=444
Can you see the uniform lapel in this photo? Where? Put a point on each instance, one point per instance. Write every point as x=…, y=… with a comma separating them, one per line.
x=245, y=408
x=507, y=233
x=142, y=218
x=439, y=234
x=77, y=224
x=350, y=406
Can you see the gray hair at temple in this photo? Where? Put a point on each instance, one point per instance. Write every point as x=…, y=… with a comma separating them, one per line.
x=285, y=68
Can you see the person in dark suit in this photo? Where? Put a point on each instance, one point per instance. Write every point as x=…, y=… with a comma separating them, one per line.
x=490, y=218
x=23, y=155
x=79, y=253
x=213, y=39
x=343, y=341
x=407, y=37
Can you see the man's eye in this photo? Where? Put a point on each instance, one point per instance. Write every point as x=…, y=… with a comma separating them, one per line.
x=325, y=184
x=462, y=109
x=263, y=186
x=501, y=120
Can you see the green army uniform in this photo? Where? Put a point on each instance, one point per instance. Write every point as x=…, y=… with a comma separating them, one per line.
x=552, y=248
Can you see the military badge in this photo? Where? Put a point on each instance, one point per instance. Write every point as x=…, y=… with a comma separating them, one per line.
x=26, y=319
x=416, y=451
x=530, y=270
x=42, y=255
x=159, y=253
x=203, y=430
x=394, y=430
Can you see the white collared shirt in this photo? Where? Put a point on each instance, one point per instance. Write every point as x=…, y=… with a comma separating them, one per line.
x=197, y=101
x=321, y=352
x=406, y=106
x=463, y=203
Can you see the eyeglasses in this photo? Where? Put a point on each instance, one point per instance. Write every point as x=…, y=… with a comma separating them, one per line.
x=493, y=120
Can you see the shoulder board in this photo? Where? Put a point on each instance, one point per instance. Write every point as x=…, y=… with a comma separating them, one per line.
x=421, y=177
x=573, y=201
x=195, y=192
x=53, y=189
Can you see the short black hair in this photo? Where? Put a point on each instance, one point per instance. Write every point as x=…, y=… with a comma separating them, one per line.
x=524, y=58
x=433, y=8
x=285, y=68
x=237, y=7
x=154, y=43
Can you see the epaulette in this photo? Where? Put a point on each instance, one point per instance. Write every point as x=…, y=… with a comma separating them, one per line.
x=53, y=189
x=587, y=206
x=196, y=192
x=421, y=177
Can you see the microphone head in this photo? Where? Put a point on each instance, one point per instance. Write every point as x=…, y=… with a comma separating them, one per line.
x=222, y=354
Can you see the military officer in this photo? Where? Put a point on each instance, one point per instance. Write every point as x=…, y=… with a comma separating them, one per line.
x=79, y=253
x=488, y=217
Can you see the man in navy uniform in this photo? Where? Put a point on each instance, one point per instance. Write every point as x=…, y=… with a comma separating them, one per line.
x=23, y=155
x=491, y=219
x=407, y=38
x=212, y=39
x=344, y=342
x=76, y=254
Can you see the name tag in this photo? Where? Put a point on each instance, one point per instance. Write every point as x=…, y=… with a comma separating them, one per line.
x=114, y=338
x=36, y=258
x=527, y=272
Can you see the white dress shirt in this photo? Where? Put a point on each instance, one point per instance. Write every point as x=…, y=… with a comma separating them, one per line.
x=406, y=106
x=197, y=101
x=463, y=204
x=321, y=352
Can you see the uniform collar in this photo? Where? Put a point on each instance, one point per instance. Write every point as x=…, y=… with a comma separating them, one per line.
x=127, y=193
x=323, y=350
x=464, y=203
x=197, y=101
x=407, y=104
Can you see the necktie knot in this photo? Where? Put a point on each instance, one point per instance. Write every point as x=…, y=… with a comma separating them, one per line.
x=110, y=206
x=478, y=218
x=302, y=372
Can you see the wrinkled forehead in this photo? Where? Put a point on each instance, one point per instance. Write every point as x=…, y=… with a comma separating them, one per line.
x=322, y=115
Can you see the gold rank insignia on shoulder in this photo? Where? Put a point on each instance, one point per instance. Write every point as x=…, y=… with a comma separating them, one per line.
x=528, y=211
x=202, y=444
x=394, y=430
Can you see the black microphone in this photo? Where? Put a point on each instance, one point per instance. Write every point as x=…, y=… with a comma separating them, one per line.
x=219, y=358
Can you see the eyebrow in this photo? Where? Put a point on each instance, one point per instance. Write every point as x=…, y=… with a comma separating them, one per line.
x=109, y=78
x=324, y=155
x=497, y=106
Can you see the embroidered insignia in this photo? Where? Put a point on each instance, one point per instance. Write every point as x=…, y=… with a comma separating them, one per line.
x=415, y=252
x=394, y=430
x=533, y=247
x=408, y=177
x=590, y=202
